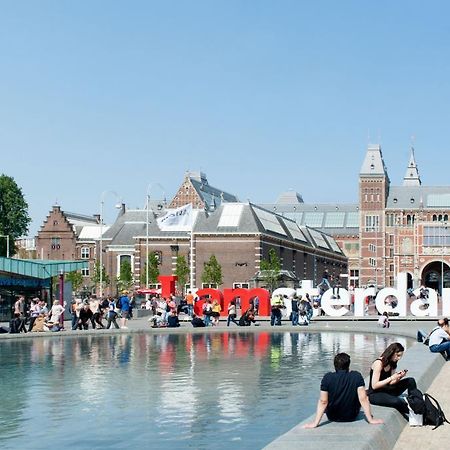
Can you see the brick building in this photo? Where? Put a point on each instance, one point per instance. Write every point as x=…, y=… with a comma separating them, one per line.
x=240, y=235
x=391, y=229
x=70, y=236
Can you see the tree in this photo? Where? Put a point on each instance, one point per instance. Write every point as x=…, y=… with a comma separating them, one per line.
x=125, y=279
x=14, y=218
x=75, y=278
x=153, y=270
x=212, y=273
x=96, y=277
x=182, y=272
x=270, y=269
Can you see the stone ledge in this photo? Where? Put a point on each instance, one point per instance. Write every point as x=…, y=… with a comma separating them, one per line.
x=359, y=435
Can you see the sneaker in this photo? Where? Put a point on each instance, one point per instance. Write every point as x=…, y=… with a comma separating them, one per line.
x=124, y=328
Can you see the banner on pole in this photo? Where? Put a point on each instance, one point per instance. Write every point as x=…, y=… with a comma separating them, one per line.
x=179, y=219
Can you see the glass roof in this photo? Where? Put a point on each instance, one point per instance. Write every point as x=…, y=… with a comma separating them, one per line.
x=333, y=244
x=334, y=220
x=39, y=268
x=352, y=220
x=269, y=221
x=295, y=230
x=319, y=239
x=314, y=219
x=231, y=215
x=297, y=216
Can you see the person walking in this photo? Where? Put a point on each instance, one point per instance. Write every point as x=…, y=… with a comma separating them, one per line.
x=232, y=313
x=112, y=315
x=124, y=309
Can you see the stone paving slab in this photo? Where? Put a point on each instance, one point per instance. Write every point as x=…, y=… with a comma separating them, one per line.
x=426, y=437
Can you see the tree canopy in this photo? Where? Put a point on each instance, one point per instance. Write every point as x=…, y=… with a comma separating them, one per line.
x=212, y=273
x=182, y=272
x=153, y=270
x=270, y=269
x=14, y=218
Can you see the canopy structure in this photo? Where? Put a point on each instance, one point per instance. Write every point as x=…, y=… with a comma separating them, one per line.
x=40, y=268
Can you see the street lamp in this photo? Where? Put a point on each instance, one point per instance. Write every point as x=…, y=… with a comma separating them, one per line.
x=149, y=188
x=7, y=243
x=118, y=205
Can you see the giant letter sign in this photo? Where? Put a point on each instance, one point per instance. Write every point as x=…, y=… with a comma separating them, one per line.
x=328, y=303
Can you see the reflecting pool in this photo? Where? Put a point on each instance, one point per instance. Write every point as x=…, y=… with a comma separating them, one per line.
x=202, y=391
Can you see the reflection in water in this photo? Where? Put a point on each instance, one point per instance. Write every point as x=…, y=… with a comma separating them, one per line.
x=189, y=391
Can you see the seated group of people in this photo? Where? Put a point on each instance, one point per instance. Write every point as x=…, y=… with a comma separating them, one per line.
x=343, y=392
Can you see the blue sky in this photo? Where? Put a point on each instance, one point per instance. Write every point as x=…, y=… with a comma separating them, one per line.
x=262, y=96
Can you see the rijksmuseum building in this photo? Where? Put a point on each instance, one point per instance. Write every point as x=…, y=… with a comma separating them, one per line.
x=391, y=229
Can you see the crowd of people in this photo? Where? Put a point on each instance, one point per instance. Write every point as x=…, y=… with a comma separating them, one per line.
x=34, y=315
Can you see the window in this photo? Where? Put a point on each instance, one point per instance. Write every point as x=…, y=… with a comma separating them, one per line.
x=56, y=243
x=390, y=220
x=372, y=222
x=354, y=278
x=436, y=236
x=372, y=248
x=209, y=285
x=240, y=285
x=391, y=267
x=372, y=262
x=85, y=272
x=85, y=252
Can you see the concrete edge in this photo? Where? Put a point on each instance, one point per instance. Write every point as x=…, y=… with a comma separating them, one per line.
x=423, y=365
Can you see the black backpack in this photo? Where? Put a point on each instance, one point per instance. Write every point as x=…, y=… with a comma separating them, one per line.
x=416, y=401
x=433, y=412
x=119, y=303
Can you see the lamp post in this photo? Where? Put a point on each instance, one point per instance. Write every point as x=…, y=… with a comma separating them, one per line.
x=102, y=202
x=7, y=243
x=149, y=188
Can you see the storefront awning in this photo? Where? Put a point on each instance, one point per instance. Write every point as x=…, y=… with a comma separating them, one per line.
x=40, y=268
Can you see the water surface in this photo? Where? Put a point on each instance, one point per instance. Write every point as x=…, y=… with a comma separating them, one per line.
x=202, y=391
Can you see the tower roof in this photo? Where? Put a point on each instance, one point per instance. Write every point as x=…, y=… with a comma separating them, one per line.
x=373, y=164
x=412, y=177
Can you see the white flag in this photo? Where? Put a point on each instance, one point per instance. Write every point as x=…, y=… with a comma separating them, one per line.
x=179, y=219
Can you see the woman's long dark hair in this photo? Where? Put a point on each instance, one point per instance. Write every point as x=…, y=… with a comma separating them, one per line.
x=386, y=356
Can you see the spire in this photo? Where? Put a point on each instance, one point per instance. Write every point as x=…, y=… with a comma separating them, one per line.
x=412, y=177
x=373, y=164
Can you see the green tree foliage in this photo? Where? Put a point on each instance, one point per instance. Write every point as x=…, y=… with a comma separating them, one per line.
x=75, y=278
x=270, y=269
x=182, y=272
x=212, y=273
x=153, y=270
x=96, y=277
x=14, y=218
x=125, y=279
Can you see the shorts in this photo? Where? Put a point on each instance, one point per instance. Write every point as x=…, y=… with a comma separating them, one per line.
x=125, y=314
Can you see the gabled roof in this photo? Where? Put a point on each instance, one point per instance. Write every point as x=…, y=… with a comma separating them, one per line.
x=211, y=196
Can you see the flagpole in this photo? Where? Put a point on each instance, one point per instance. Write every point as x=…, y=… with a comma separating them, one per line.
x=191, y=260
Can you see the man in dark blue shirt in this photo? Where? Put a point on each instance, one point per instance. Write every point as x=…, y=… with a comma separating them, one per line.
x=342, y=394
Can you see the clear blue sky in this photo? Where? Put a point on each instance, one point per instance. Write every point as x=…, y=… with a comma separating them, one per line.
x=263, y=96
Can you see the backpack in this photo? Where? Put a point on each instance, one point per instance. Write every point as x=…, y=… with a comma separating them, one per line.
x=119, y=303
x=416, y=401
x=433, y=412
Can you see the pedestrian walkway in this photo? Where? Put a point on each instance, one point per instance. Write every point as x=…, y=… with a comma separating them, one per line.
x=426, y=437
